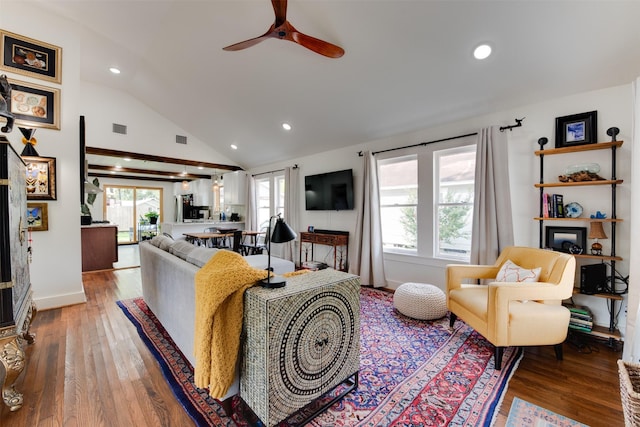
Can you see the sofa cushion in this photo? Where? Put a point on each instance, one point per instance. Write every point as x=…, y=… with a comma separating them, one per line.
x=181, y=249
x=511, y=272
x=161, y=241
x=200, y=255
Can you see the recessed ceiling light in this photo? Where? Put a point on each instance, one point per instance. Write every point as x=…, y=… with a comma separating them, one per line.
x=234, y=146
x=286, y=126
x=200, y=167
x=127, y=159
x=114, y=70
x=482, y=52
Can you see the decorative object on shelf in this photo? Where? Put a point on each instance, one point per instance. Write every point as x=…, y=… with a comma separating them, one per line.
x=599, y=215
x=37, y=217
x=30, y=57
x=583, y=167
x=596, y=231
x=33, y=105
x=613, y=132
x=41, y=177
x=581, y=175
x=577, y=129
x=5, y=99
x=282, y=233
x=573, y=210
x=566, y=239
x=29, y=141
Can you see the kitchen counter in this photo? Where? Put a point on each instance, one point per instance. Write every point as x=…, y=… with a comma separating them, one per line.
x=177, y=229
x=99, y=246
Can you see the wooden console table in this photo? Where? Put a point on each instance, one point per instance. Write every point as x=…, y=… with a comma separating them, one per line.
x=301, y=341
x=328, y=239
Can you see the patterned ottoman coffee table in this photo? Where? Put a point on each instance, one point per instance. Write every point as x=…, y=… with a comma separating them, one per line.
x=420, y=301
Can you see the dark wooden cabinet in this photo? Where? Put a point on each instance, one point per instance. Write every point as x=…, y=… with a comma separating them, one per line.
x=16, y=306
x=339, y=242
x=99, y=247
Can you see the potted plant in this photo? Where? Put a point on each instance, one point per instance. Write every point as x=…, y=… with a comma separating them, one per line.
x=152, y=216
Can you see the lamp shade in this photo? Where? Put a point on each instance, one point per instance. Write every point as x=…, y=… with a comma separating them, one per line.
x=282, y=233
x=596, y=231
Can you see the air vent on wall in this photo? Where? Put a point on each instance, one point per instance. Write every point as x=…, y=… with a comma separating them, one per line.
x=181, y=139
x=122, y=129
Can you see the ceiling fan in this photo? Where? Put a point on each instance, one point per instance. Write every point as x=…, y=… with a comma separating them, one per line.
x=283, y=30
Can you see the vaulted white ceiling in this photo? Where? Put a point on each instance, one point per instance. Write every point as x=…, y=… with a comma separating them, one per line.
x=408, y=64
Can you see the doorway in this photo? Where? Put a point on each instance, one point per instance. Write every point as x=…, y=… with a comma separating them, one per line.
x=132, y=210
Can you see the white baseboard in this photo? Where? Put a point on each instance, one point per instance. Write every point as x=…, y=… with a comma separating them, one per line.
x=60, y=301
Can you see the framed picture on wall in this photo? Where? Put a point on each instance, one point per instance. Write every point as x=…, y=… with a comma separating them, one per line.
x=37, y=217
x=34, y=106
x=30, y=57
x=577, y=129
x=571, y=240
x=41, y=177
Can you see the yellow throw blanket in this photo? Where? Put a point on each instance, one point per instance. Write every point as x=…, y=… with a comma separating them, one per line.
x=220, y=286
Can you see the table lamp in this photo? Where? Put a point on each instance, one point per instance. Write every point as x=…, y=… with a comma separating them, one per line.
x=596, y=232
x=282, y=233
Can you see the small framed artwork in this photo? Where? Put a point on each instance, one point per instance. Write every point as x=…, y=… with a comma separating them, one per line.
x=37, y=217
x=29, y=57
x=577, y=129
x=571, y=240
x=310, y=229
x=34, y=106
x=41, y=177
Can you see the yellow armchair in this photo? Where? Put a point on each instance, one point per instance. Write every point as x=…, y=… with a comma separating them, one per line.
x=515, y=313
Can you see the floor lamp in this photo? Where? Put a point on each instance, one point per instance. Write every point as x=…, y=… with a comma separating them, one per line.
x=282, y=233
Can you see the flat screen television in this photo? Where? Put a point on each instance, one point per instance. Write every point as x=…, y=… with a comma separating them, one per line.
x=331, y=191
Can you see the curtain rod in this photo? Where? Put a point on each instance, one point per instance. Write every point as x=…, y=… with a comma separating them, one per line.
x=273, y=171
x=502, y=129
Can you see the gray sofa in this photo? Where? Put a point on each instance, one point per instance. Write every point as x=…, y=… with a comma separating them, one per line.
x=168, y=271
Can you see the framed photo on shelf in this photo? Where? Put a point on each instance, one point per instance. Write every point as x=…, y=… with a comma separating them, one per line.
x=41, y=177
x=577, y=129
x=572, y=240
x=30, y=57
x=34, y=106
x=37, y=217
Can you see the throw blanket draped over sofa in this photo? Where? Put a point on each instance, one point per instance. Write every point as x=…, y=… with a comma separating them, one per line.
x=220, y=286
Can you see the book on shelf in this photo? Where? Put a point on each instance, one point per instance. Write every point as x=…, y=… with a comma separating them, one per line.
x=558, y=205
x=579, y=327
x=581, y=309
x=579, y=316
x=576, y=321
x=545, y=205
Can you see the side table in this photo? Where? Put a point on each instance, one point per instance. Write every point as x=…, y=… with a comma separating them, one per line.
x=301, y=341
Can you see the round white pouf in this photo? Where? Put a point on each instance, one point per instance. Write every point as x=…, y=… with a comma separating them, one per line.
x=420, y=301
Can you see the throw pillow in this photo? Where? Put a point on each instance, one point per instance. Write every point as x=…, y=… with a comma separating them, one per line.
x=161, y=241
x=511, y=272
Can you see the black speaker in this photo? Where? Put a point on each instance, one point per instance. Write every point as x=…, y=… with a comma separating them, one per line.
x=593, y=278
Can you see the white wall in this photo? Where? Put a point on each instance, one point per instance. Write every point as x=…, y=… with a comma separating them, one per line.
x=614, y=109
x=56, y=270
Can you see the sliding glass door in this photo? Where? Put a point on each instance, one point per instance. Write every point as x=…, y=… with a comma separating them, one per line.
x=131, y=210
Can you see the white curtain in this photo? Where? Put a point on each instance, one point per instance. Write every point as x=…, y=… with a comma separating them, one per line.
x=369, y=260
x=292, y=209
x=631, y=352
x=251, y=214
x=492, y=223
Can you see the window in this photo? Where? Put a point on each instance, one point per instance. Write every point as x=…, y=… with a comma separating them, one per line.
x=426, y=201
x=454, y=171
x=398, y=182
x=270, y=198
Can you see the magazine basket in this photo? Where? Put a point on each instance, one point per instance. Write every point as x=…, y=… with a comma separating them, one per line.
x=630, y=392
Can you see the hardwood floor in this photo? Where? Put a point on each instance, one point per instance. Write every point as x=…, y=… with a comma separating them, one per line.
x=88, y=367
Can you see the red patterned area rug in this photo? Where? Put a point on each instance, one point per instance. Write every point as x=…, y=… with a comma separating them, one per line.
x=412, y=373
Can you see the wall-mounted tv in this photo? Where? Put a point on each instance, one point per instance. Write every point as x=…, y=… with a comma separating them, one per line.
x=331, y=191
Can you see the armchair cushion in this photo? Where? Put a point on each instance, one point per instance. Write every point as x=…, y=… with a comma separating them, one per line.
x=511, y=272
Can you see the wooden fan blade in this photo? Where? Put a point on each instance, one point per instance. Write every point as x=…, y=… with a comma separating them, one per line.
x=280, y=10
x=319, y=46
x=251, y=42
